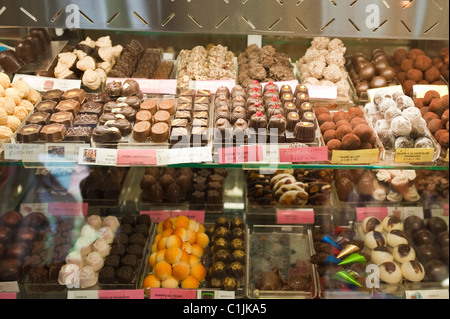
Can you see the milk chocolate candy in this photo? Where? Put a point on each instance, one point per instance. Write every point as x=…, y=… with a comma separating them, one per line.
x=39, y=118
x=91, y=108
x=133, y=101
x=74, y=94
x=106, y=134
x=65, y=118
x=53, y=133
x=46, y=106
x=109, y=117
x=160, y=132
x=53, y=95
x=122, y=124
x=114, y=88
x=130, y=87
x=125, y=110
x=69, y=105
x=141, y=131
x=29, y=133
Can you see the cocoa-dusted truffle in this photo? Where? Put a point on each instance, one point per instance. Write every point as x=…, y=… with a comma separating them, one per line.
x=334, y=144
x=351, y=142
x=364, y=132
x=327, y=126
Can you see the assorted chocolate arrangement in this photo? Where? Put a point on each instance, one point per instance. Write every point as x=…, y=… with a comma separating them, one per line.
x=226, y=259
x=200, y=64
x=370, y=72
x=415, y=67
x=278, y=263
x=412, y=249
x=123, y=263
x=191, y=123
x=17, y=102
x=263, y=65
x=398, y=122
x=21, y=239
x=263, y=113
x=435, y=112
x=299, y=187
x=103, y=185
x=27, y=50
x=177, y=255
x=361, y=187
x=345, y=130
x=324, y=64
x=201, y=188
x=433, y=186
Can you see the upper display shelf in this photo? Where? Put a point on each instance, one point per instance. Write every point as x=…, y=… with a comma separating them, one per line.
x=386, y=19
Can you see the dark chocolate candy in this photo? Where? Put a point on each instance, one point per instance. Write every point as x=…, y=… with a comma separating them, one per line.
x=79, y=134
x=29, y=133
x=53, y=133
x=106, y=134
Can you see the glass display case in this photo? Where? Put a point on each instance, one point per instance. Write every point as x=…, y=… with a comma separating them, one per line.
x=128, y=166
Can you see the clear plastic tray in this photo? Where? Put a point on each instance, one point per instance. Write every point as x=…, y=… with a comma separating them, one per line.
x=286, y=247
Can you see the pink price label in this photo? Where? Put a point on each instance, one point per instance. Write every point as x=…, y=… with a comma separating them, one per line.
x=67, y=209
x=152, y=86
x=212, y=86
x=242, y=154
x=121, y=294
x=446, y=210
x=197, y=215
x=363, y=212
x=136, y=157
x=295, y=216
x=304, y=154
x=8, y=295
x=157, y=216
x=165, y=293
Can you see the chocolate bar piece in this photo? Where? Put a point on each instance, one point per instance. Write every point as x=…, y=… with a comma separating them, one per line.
x=46, y=106
x=53, y=133
x=180, y=123
x=29, y=133
x=89, y=120
x=79, y=134
x=74, y=94
x=65, y=118
x=91, y=108
x=39, y=118
x=53, y=95
x=70, y=105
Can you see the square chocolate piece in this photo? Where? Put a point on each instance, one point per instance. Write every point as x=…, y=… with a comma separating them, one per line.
x=79, y=134
x=89, y=120
x=46, y=106
x=180, y=136
x=185, y=107
x=201, y=108
x=185, y=99
x=180, y=123
x=91, y=108
x=53, y=133
x=65, y=118
x=201, y=115
x=39, y=118
x=203, y=93
x=199, y=135
x=70, y=105
x=29, y=133
x=74, y=94
x=201, y=100
x=187, y=92
x=183, y=115
x=52, y=95
x=200, y=122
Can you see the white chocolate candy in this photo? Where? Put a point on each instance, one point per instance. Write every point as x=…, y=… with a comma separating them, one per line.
x=88, y=233
x=84, y=246
x=88, y=277
x=95, y=260
x=112, y=222
x=390, y=273
x=396, y=237
x=392, y=222
x=403, y=253
x=95, y=221
x=68, y=275
x=374, y=239
x=371, y=223
x=106, y=233
x=413, y=271
x=75, y=258
x=380, y=255
x=102, y=247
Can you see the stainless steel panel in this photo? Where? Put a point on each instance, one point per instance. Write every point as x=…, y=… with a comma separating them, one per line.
x=395, y=19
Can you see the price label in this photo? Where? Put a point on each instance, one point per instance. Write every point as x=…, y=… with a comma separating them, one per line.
x=414, y=155
x=27, y=208
x=427, y=294
x=419, y=90
x=186, y=155
x=165, y=293
x=8, y=295
x=62, y=152
x=82, y=294
x=67, y=209
x=12, y=152
x=211, y=85
x=379, y=212
x=34, y=153
x=9, y=287
x=121, y=294
x=355, y=157
x=197, y=215
x=157, y=216
x=305, y=216
x=446, y=157
x=242, y=154
x=42, y=83
x=303, y=155
x=136, y=157
x=152, y=86
x=322, y=92
x=97, y=156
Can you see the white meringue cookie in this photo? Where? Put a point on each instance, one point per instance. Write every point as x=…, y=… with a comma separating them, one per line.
x=87, y=63
x=91, y=80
